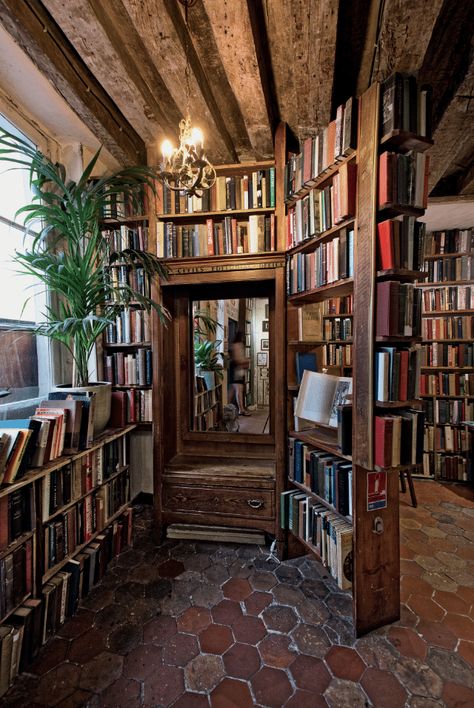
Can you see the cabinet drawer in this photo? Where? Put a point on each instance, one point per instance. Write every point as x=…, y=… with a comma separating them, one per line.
x=221, y=501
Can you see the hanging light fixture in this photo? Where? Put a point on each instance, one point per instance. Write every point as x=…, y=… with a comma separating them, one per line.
x=186, y=168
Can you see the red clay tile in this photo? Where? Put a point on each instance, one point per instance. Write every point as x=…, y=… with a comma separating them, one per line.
x=271, y=687
x=311, y=640
x=451, y=602
x=236, y=589
x=437, y=633
x=257, y=601
x=310, y=673
x=466, y=649
x=407, y=617
x=159, y=630
x=77, y=625
x=248, y=629
x=101, y=671
x=274, y=650
x=216, y=639
x=57, y=684
x=50, y=656
x=455, y=696
x=140, y=662
x=204, y=673
x=171, y=569
x=226, y=612
x=466, y=553
x=164, y=686
x=241, y=661
x=194, y=620
x=383, y=688
x=124, y=692
x=461, y=626
x=180, y=649
x=345, y=663
x=304, y=699
x=86, y=646
x=231, y=694
x=466, y=594
x=410, y=567
x=192, y=700
x=406, y=552
x=425, y=608
x=280, y=618
x=408, y=642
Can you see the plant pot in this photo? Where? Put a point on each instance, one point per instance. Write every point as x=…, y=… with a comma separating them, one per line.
x=103, y=397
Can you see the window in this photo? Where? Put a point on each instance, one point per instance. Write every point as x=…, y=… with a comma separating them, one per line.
x=24, y=369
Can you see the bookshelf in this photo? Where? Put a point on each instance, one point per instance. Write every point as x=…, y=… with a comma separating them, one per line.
x=338, y=479
x=207, y=404
x=447, y=379
x=75, y=517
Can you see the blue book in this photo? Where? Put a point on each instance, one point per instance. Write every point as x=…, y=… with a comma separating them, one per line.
x=299, y=468
x=305, y=361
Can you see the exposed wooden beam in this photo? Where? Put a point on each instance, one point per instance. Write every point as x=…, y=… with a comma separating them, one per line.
x=136, y=59
x=33, y=28
x=174, y=11
x=367, y=58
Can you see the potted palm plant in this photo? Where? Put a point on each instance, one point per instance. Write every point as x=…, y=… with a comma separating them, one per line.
x=69, y=255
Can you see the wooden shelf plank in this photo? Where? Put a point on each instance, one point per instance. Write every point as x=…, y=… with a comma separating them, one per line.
x=318, y=438
x=398, y=404
x=310, y=493
x=321, y=179
x=340, y=287
x=439, y=256
x=126, y=345
x=16, y=543
x=400, y=274
x=111, y=220
x=309, y=244
x=443, y=313
x=200, y=215
x=404, y=141
x=440, y=283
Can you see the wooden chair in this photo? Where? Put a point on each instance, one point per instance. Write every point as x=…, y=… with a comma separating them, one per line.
x=410, y=485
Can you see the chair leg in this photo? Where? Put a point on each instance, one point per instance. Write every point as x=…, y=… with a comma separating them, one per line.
x=412, y=489
x=402, y=481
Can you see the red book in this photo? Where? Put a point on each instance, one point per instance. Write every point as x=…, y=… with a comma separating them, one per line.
x=331, y=142
x=347, y=190
x=403, y=381
x=272, y=233
x=386, y=254
x=132, y=416
x=387, y=308
x=118, y=409
x=385, y=178
x=210, y=237
x=383, y=441
x=235, y=238
x=307, y=151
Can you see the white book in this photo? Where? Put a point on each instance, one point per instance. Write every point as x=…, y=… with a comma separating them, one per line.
x=319, y=396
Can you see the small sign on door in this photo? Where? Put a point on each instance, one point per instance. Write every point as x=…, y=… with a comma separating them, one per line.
x=376, y=490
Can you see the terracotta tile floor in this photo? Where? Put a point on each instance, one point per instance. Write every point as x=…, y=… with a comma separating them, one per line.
x=199, y=624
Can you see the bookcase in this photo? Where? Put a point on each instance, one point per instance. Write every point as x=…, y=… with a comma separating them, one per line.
x=60, y=525
x=447, y=379
x=341, y=501
x=207, y=403
x=127, y=344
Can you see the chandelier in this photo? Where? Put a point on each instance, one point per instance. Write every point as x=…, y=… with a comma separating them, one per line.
x=186, y=168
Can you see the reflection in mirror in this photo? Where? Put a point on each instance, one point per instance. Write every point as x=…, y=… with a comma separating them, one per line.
x=231, y=366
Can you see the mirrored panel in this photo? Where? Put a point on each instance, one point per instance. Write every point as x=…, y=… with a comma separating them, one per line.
x=231, y=366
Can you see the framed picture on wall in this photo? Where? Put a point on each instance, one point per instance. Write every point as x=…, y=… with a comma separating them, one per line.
x=265, y=344
x=265, y=326
x=262, y=359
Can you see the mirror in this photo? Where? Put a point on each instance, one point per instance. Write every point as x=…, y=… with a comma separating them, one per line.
x=231, y=366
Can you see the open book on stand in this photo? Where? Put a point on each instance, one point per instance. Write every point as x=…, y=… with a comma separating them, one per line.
x=320, y=395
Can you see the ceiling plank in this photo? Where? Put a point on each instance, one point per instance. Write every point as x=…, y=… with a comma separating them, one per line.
x=119, y=28
x=33, y=28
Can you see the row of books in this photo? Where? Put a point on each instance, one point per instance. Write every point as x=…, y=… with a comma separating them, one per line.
x=399, y=438
x=125, y=237
x=217, y=237
x=132, y=326
x=449, y=241
x=398, y=309
x=252, y=190
x=450, y=269
x=63, y=424
x=448, y=327
x=37, y=619
x=326, y=475
x=442, y=354
x=17, y=515
x=119, y=206
x=449, y=467
x=132, y=369
x=132, y=406
x=441, y=411
x=444, y=384
x=400, y=243
x=338, y=305
x=338, y=328
x=449, y=297
x=397, y=373
x=405, y=106
x=321, y=209
x=328, y=263
x=403, y=180
x=332, y=144
x=447, y=438
x=123, y=277
x=82, y=475
x=337, y=355
x=324, y=530
x=80, y=522
x=16, y=577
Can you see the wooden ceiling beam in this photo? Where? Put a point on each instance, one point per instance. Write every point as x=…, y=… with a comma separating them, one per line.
x=134, y=56
x=176, y=16
x=38, y=35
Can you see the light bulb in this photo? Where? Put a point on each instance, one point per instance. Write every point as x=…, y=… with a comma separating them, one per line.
x=166, y=149
x=197, y=138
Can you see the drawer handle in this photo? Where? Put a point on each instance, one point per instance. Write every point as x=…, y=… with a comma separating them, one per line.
x=255, y=503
